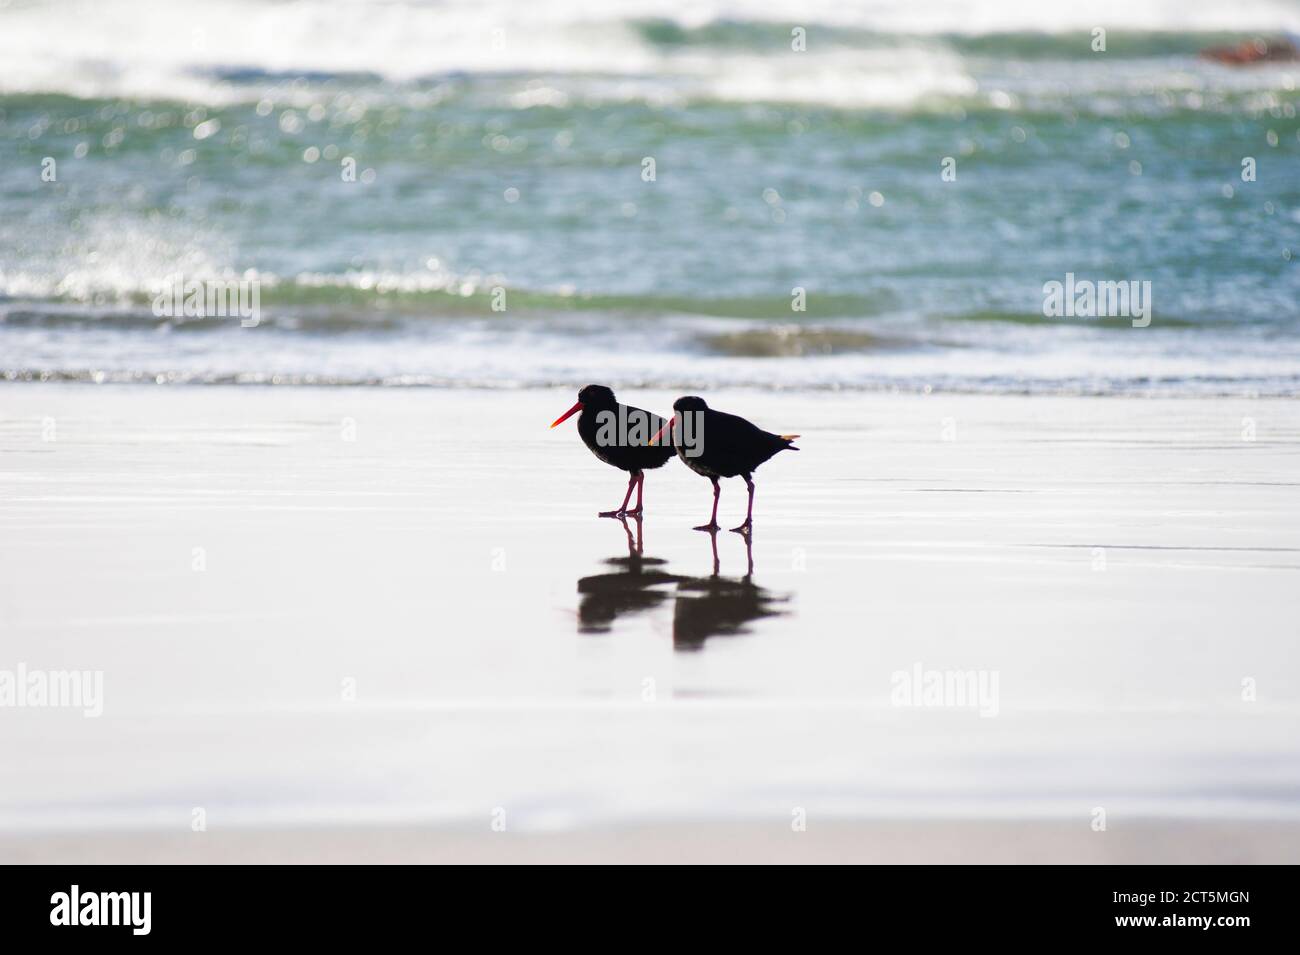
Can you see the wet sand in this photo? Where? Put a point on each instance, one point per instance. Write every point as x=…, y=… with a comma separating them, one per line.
x=362, y=623
x=885, y=842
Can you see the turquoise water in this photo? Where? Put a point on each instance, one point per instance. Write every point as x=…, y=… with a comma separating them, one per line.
x=505, y=149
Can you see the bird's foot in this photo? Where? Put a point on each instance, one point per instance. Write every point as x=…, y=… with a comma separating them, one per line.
x=619, y=513
x=635, y=513
x=745, y=528
x=707, y=527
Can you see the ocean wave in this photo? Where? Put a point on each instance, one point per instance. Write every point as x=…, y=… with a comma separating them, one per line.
x=113, y=291
x=758, y=325
x=867, y=54
x=514, y=178
x=1147, y=386
x=336, y=346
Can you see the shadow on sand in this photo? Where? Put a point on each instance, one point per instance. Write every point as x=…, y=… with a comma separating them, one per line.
x=703, y=607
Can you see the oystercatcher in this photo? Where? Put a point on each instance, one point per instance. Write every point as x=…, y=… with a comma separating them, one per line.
x=619, y=435
x=717, y=445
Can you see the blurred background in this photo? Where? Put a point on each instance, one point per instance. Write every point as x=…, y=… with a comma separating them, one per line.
x=380, y=166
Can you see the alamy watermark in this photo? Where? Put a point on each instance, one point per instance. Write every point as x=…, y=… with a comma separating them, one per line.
x=1084, y=298
x=128, y=909
x=971, y=689
x=75, y=689
x=632, y=427
x=210, y=298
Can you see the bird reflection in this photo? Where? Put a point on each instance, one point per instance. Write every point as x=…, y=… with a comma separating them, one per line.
x=703, y=607
x=630, y=589
x=717, y=606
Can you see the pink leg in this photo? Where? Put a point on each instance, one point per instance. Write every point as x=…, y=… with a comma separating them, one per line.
x=746, y=527
x=640, y=488
x=622, y=508
x=713, y=518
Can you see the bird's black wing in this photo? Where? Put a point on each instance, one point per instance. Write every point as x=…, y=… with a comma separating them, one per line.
x=655, y=423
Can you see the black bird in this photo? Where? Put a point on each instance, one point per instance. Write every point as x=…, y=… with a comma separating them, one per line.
x=718, y=445
x=619, y=435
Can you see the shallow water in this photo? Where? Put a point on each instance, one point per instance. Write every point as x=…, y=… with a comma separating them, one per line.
x=503, y=148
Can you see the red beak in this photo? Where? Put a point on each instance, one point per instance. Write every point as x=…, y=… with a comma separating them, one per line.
x=572, y=411
x=660, y=433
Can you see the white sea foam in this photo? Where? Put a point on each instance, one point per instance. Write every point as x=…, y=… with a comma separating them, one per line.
x=200, y=51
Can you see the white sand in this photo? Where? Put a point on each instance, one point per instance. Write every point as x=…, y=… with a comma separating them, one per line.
x=1122, y=565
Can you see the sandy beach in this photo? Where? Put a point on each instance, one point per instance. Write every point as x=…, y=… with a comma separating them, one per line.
x=293, y=568
x=882, y=842
x=386, y=624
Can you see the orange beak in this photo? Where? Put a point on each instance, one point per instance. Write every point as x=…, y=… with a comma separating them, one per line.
x=660, y=433
x=572, y=411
